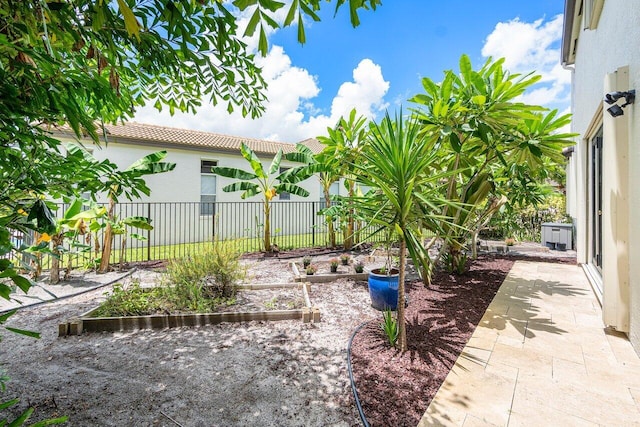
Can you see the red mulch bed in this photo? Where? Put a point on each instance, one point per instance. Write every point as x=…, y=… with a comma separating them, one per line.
x=395, y=389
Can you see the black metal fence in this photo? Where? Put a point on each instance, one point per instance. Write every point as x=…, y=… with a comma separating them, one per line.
x=182, y=228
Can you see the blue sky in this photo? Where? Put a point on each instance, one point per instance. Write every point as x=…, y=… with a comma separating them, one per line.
x=379, y=65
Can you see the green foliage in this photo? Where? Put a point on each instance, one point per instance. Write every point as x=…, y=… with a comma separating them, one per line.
x=133, y=300
x=306, y=261
x=311, y=269
x=397, y=164
x=215, y=272
x=359, y=267
x=345, y=259
x=197, y=283
x=260, y=181
x=389, y=326
x=22, y=418
x=525, y=222
x=495, y=144
x=455, y=264
x=341, y=151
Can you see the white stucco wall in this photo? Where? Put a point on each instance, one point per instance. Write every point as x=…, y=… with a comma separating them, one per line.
x=610, y=47
x=183, y=183
x=173, y=204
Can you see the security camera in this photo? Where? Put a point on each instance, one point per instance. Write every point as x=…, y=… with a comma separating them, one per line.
x=615, y=110
x=612, y=97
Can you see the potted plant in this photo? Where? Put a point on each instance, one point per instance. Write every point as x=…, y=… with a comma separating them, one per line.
x=383, y=284
x=345, y=259
x=359, y=267
x=311, y=269
x=333, y=263
x=306, y=261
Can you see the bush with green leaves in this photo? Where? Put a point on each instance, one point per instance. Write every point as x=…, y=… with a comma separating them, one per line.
x=213, y=273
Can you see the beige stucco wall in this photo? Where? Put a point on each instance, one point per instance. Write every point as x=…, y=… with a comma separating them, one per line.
x=611, y=50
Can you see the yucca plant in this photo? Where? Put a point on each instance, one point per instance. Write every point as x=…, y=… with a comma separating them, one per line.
x=396, y=164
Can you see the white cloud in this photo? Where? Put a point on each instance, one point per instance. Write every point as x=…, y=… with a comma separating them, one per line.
x=290, y=114
x=535, y=47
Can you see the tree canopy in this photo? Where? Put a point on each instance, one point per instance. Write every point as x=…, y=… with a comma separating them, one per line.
x=80, y=63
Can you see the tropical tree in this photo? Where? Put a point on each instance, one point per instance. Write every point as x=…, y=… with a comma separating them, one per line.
x=397, y=161
x=342, y=148
x=480, y=130
x=263, y=182
x=87, y=62
x=130, y=184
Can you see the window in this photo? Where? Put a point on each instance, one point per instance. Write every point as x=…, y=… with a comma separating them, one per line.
x=593, y=10
x=334, y=190
x=284, y=195
x=596, y=203
x=207, y=188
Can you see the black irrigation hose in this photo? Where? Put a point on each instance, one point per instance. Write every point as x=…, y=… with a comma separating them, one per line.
x=365, y=423
x=129, y=273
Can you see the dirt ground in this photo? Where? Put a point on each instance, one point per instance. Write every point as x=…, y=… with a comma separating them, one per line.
x=283, y=373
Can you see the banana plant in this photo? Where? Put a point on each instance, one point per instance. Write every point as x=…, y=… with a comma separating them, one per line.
x=261, y=181
x=74, y=223
x=342, y=149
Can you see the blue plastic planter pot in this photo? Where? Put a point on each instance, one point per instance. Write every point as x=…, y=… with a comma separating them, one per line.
x=383, y=290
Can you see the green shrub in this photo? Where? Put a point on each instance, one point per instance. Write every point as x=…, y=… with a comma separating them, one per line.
x=202, y=281
x=130, y=301
x=197, y=283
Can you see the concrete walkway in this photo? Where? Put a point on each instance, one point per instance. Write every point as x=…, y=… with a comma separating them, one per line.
x=541, y=357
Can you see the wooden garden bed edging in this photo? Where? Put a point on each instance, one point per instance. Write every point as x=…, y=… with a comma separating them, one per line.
x=325, y=277
x=86, y=323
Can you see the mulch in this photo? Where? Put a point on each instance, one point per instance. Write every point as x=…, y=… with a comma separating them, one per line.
x=396, y=388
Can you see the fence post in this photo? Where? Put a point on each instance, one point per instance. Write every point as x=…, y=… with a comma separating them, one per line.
x=313, y=224
x=149, y=233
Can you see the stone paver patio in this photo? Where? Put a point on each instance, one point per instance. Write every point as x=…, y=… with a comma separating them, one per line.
x=541, y=356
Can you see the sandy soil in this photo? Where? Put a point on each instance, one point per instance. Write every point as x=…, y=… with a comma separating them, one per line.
x=282, y=373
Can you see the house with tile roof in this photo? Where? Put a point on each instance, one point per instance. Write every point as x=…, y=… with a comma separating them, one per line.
x=194, y=152
x=190, y=197
x=600, y=46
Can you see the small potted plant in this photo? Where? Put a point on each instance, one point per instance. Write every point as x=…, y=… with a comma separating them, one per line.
x=345, y=259
x=311, y=269
x=509, y=241
x=333, y=263
x=359, y=267
x=306, y=261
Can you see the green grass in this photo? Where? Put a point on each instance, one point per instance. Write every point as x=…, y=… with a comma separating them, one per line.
x=140, y=252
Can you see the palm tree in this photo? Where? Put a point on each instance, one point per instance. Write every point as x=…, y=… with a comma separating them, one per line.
x=261, y=182
x=395, y=162
x=342, y=148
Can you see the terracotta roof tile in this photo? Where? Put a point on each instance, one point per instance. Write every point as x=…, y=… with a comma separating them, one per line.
x=133, y=131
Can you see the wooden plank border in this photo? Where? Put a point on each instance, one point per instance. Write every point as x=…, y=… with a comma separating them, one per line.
x=86, y=323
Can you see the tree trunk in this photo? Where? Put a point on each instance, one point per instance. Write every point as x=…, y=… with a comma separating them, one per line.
x=332, y=231
x=54, y=274
x=267, y=227
x=123, y=246
x=348, y=238
x=402, y=328
x=108, y=240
